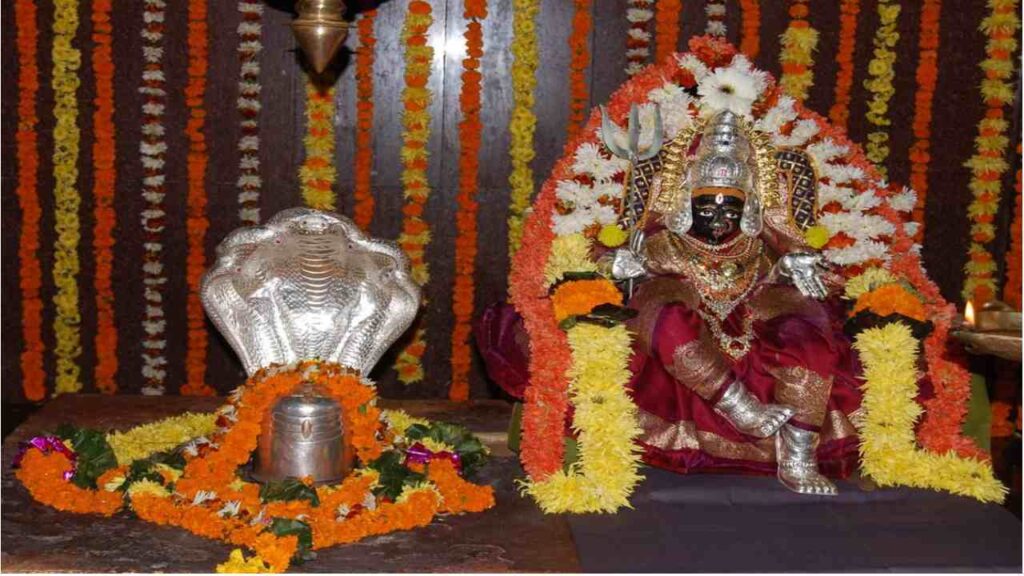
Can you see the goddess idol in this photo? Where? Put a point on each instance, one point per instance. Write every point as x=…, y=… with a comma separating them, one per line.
x=738, y=362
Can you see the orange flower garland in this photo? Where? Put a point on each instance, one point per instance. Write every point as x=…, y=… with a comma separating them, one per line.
x=666, y=28
x=1012, y=287
x=363, y=178
x=581, y=296
x=989, y=162
x=840, y=111
x=892, y=299
x=33, y=377
x=750, y=33
x=43, y=476
x=470, y=130
x=196, y=221
x=416, y=99
x=579, y=48
x=927, y=76
x=317, y=173
x=797, y=54
x=458, y=495
x=104, y=153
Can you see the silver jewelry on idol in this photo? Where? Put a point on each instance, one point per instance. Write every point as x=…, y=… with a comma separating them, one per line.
x=796, y=452
x=748, y=414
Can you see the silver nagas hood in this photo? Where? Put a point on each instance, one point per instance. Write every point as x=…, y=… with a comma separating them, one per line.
x=309, y=285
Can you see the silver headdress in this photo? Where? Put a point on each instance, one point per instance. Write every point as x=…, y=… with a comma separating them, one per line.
x=725, y=159
x=309, y=285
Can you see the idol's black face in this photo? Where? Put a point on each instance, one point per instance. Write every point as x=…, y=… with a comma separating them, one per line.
x=716, y=217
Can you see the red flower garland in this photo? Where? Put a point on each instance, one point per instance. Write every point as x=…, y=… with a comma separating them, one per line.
x=104, y=177
x=927, y=75
x=579, y=46
x=666, y=28
x=750, y=39
x=1012, y=287
x=470, y=130
x=196, y=221
x=363, y=185
x=33, y=377
x=840, y=111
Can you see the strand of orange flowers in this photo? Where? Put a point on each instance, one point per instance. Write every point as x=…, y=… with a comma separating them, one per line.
x=196, y=222
x=250, y=32
x=750, y=37
x=362, y=188
x=797, y=56
x=416, y=99
x=153, y=149
x=666, y=28
x=66, y=197
x=1012, y=287
x=839, y=114
x=104, y=179
x=33, y=377
x=927, y=76
x=317, y=173
x=715, y=12
x=638, y=37
x=579, y=49
x=989, y=162
x=880, y=84
x=470, y=130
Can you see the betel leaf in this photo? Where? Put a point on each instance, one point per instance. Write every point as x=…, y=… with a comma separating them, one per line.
x=393, y=474
x=290, y=527
x=94, y=453
x=288, y=489
x=145, y=469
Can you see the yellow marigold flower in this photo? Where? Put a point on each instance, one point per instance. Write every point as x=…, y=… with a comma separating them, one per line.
x=866, y=282
x=148, y=487
x=612, y=236
x=399, y=420
x=569, y=253
x=237, y=564
x=436, y=446
x=143, y=441
x=817, y=236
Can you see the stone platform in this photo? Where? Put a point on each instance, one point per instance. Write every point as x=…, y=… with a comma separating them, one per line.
x=514, y=536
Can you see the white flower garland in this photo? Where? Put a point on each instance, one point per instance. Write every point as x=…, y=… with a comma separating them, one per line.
x=153, y=148
x=715, y=11
x=638, y=46
x=250, y=31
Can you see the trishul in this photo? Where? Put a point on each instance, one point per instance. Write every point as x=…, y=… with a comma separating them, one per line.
x=634, y=204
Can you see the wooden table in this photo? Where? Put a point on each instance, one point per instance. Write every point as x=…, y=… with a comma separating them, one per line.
x=512, y=537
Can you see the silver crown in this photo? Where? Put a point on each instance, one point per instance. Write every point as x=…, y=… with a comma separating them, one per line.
x=309, y=285
x=724, y=156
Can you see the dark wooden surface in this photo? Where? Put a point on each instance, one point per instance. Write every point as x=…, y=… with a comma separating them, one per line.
x=513, y=536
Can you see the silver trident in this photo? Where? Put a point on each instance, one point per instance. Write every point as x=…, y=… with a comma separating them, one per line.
x=634, y=203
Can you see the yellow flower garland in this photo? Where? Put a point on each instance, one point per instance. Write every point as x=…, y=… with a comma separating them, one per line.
x=880, y=84
x=888, y=449
x=605, y=420
x=318, y=174
x=523, y=121
x=797, y=54
x=570, y=253
x=989, y=161
x=66, y=135
x=142, y=441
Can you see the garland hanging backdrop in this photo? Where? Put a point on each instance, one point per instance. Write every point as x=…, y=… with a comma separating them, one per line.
x=141, y=172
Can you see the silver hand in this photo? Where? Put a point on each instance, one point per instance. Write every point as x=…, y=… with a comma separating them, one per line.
x=805, y=270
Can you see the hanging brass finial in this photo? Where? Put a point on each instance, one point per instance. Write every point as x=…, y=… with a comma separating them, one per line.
x=320, y=30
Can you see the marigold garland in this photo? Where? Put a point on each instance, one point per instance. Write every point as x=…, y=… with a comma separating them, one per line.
x=797, y=54
x=362, y=188
x=142, y=441
x=880, y=85
x=67, y=199
x=638, y=37
x=317, y=173
x=1012, y=287
x=415, y=236
x=211, y=501
x=250, y=33
x=849, y=10
x=888, y=451
x=522, y=122
x=579, y=50
x=715, y=12
x=153, y=149
x=33, y=376
x=892, y=299
x=196, y=222
x=580, y=297
x=666, y=28
x=989, y=161
x=750, y=32
x=470, y=129
x=927, y=77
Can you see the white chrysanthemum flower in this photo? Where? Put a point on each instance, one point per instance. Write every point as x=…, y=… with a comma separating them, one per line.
x=715, y=9
x=574, y=193
x=858, y=253
x=777, y=116
x=728, y=89
x=203, y=496
x=638, y=14
x=571, y=223
x=591, y=162
x=675, y=108
x=841, y=173
x=911, y=228
x=634, y=68
x=826, y=150
x=690, y=62
x=862, y=202
x=904, y=201
x=716, y=28
x=857, y=226
x=828, y=193
x=604, y=214
x=802, y=132
x=639, y=34
x=607, y=189
x=230, y=509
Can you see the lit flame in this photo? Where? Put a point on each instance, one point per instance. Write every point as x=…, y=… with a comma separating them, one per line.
x=969, y=313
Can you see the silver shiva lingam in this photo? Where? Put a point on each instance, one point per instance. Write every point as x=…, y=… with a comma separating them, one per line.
x=308, y=285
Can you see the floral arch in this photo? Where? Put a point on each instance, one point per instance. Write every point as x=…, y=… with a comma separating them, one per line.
x=862, y=228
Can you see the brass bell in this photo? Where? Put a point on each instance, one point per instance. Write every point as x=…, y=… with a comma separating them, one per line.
x=320, y=30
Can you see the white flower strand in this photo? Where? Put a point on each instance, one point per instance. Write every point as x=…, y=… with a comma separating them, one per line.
x=638, y=54
x=250, y=32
